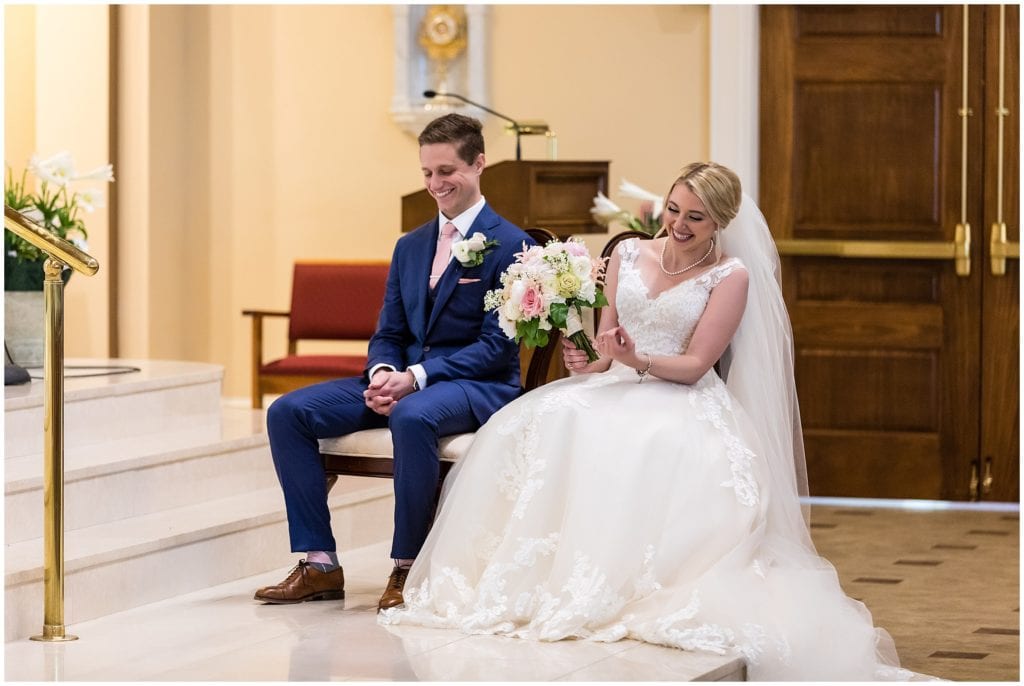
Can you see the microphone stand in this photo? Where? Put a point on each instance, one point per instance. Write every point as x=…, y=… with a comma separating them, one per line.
x=515, y=125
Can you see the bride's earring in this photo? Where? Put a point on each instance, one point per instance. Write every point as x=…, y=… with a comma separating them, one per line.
x=718, y=244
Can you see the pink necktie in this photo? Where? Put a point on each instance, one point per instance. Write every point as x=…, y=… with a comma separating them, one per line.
x=443, y=254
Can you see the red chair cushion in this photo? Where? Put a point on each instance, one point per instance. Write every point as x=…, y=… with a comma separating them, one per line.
x=336, y=300
x=317, y=365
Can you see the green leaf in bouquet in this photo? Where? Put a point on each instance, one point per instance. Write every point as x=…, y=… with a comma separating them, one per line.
x=558, y=314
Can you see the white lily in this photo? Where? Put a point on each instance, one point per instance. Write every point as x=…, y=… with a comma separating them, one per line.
x=604, y=210
x=58, y=169
x=89, y=199
x=103, y=173
x=631, y=190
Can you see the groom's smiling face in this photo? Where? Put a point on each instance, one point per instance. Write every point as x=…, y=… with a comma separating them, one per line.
x=453, y=183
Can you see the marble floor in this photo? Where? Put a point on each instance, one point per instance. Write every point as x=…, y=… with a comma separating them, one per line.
x=221, y=634
x=945, y=584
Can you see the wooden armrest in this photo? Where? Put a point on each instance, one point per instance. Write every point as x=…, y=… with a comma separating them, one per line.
x=257, y=348
x=266, y=313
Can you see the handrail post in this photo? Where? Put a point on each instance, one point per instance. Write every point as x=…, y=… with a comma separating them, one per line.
x=53, y=456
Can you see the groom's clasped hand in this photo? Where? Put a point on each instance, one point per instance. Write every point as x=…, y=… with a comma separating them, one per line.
x=386, y=388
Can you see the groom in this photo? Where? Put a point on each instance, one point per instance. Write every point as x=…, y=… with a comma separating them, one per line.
x=438, y=365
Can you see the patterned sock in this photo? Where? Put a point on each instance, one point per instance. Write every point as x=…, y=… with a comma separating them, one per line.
x=323, y=560
x=404, y=564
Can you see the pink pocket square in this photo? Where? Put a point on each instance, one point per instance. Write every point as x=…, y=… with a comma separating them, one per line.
x=462, y=282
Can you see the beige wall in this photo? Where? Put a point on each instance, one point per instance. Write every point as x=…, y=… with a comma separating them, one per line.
x=260, y=135
x=19, y=84
x=56, y=98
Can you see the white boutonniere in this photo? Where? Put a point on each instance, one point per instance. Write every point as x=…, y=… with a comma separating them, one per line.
x=471, y=252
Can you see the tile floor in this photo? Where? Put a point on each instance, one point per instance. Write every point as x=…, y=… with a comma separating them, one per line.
x=944, y=583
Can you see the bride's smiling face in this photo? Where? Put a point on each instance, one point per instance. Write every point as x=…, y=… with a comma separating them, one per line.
x=689, y=225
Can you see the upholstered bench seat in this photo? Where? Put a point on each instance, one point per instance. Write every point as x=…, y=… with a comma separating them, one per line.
x=332, y=366
x=376, y=443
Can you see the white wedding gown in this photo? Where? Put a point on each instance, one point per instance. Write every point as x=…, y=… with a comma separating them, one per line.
x=601, y=508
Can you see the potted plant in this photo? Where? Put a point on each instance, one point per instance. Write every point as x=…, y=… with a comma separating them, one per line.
x=48, y=199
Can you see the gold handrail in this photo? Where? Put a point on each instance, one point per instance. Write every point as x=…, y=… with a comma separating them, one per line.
x=1000, y=248
x=958, y=250
x=55, y=246
x=963, y=229
x=60, y=253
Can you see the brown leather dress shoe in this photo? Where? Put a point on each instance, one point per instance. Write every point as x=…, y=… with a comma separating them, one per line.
x=393, y=593
x=305, y=582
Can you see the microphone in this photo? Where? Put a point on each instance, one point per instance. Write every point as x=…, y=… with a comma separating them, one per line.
x=431, y=94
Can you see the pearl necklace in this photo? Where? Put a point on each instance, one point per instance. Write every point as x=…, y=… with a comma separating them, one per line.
x=661, y=258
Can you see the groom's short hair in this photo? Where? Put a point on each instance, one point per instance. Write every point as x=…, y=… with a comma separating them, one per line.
x=465, y=133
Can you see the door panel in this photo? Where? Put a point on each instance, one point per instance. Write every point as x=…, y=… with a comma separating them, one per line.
x=1000, y=326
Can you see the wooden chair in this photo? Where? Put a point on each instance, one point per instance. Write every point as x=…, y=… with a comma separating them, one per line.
x=369, y=452
x=330, y=301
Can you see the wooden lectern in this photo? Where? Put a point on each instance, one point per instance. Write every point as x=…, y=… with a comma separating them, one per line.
x=553, y=195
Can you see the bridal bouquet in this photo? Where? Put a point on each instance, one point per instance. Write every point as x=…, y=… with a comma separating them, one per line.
x=547, y=288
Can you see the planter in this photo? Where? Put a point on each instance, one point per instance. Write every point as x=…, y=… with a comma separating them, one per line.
x=25, y=327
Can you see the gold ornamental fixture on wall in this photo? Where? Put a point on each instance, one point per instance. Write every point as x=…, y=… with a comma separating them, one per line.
x=443, y=37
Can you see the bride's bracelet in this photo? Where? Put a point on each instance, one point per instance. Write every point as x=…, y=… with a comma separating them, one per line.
x=642, y=373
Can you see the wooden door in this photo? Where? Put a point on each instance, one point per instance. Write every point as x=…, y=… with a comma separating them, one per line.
x=997, y=467
x=873, y=180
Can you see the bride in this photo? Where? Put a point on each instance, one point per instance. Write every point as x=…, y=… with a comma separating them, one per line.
x=645, y=497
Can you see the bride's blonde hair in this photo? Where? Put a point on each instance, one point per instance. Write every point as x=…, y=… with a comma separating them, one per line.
x=717, y=186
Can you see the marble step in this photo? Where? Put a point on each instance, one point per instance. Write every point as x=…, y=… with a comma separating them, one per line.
x=160, y=397
x=221, y=634
x=123, y=564
x=142, y=474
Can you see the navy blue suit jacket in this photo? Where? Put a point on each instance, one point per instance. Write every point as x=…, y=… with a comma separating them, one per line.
x=454, y=339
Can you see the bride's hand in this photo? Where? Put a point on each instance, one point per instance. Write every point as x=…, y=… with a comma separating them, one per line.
x=574, y=358
x=617, y=344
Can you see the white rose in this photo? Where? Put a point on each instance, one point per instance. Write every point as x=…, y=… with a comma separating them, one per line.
x=588, y=291
x=515, y=295
x=581, y=267
x=476, y=242
x=510, y=312
x=508, y=327
x=461, y=251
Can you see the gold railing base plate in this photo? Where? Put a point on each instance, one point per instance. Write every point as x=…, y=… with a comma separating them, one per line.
x=53, y=634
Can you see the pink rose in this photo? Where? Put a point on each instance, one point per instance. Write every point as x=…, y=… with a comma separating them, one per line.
x=532, y=303
x=576, y=249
